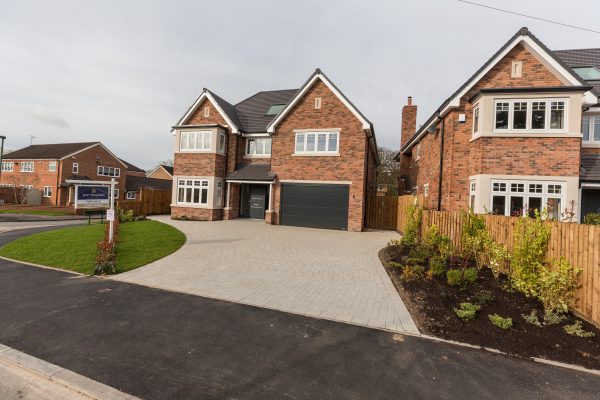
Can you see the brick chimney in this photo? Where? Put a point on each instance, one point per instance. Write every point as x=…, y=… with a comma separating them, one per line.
x=409, y=121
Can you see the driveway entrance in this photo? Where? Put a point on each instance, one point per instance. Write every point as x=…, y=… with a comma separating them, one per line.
x=319, y=273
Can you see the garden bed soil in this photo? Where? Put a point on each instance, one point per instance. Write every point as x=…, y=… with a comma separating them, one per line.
x=431, y=304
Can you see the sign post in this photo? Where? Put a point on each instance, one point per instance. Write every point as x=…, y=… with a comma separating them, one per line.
x=111, y=211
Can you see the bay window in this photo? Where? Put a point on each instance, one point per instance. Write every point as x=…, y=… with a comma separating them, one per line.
x=258, y=147
x=192, y=191
x=530, y=115
x=518, y=198
x=195, y=141
x=317, y=143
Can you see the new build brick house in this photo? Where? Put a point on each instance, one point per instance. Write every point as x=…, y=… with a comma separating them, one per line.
x=48, y=167
x=303, y=157
x=510, y=139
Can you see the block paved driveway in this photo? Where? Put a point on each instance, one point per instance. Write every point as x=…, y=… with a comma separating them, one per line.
x=321, y=273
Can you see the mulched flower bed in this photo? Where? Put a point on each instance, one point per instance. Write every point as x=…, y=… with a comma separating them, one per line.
x=431, y=302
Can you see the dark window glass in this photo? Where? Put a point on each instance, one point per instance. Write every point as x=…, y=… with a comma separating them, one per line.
x=520, y=115
x=196, y=195
x=557, y=115
x=535, y=203
x=188, y=194
x=204, y=196
x=516, y=206
x=502, y=115
x=498, y=205
x=538, y=115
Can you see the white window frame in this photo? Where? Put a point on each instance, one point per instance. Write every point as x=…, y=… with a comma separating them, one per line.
x=75, y=168
x=548, y=102
x=52, y=166
x=8, y=166
x=28, y=163
x=192, y=184
x=47, y=191
x=116, y=196
x=219, y=193
x=191, y=138
x=326, y=152
x=105, y=171
x=476, y=117
x=263, y=143
x=222, y=143
x=206, y=112
x=592, y=118
x=472, y=194
x=128, y=195
x=545, y=195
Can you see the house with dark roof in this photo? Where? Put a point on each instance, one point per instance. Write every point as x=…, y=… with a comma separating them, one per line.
x=49, y=167
x=162, y=172
x=132, y=170
x=521, y=134
x=302, y=157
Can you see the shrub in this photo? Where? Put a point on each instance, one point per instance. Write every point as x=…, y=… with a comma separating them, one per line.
x=437, y=243
x=529, y=253
x=483, y=297
x=412, y=273
x=556, y=286
x=454, y=277
x=532, y=318
x=502, y=323
x=106, y=251
x=469, y=276
x=478, y=244
x=126, y=216
x=553, y=317
x=413, y=225
x=576, y=329
x=437, y=266
x=417, y=255
x=592, y=219
x=466, y=311
x=463, y=278
x=393, y=264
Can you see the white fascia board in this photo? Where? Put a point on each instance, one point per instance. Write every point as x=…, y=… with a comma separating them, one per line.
x=206, y=95
x=299, y=95
x=566, y=76
x=590, y=99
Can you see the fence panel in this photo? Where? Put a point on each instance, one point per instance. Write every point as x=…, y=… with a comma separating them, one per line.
x=577, y=243
x=382, y=212
x=151, y=202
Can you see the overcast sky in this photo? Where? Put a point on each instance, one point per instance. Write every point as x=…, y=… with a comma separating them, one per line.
x=123, y=72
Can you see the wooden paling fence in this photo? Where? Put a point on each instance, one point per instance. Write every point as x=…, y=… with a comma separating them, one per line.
x=577, y=243
x=152, y=202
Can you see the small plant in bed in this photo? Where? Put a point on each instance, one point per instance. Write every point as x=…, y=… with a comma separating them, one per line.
x=576, y=329
x=500, y=322
x=466, y=311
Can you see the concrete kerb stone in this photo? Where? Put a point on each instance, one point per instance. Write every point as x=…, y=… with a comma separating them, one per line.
x=62, y=376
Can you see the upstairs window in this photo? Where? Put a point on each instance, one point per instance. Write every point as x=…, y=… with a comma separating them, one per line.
x=108, y=171
x=475, y=119
x=195, y=141
x=275, y=109
x=317, y=143
x=52, y=166
x=588, y=73
x=27, y=166
x=222, y=142
x=590, y=128
x=530, y=115
x=8, y=166
x=258, y=147
x=75, y=168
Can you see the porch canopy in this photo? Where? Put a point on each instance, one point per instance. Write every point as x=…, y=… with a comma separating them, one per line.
x=257, y=172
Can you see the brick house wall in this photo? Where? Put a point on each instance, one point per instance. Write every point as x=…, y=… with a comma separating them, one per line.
x=39, y=178
x=350, y=165
x=492, y=155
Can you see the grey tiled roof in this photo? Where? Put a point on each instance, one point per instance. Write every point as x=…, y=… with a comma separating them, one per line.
x=590, y=167
x=252, y=172
x=227, y=109
x=252, y=111
x=47, y=151
x=135, y=183
x=582, y=58
x=131, y=167
x=169, y=169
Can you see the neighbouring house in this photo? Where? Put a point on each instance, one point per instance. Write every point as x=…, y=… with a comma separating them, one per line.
x=509, y=140
x=162, y=172
x=302, y=157
x=132, y=170
x=136, y=185
x=47, y=167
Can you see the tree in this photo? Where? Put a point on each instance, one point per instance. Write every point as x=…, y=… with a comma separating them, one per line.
x=388, y=171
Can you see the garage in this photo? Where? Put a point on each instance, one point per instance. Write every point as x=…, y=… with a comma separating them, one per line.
x=315, y=205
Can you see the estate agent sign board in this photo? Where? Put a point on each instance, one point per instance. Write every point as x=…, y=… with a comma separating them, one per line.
x=92, y=197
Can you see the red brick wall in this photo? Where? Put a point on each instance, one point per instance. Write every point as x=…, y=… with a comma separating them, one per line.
x=88, y=161
x=349, y=166
x=518, y=156
x=198, y=118
x=199, y=164
x=196, y=214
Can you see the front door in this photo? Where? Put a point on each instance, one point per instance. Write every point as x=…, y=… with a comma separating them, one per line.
x=257, y=201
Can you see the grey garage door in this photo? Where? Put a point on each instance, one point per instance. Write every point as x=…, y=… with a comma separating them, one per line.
x=315, y=205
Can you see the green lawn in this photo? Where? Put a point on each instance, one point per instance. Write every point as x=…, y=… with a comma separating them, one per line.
x=75, y=248
x=35, y=212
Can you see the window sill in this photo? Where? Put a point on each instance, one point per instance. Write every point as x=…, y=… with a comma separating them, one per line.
x=591, y=145
x=527, y=135
x=195, y=152
x=249, y=156
x=316, y=155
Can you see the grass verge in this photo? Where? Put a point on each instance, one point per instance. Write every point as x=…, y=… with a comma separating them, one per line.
x=36, y=212
x=74, y=248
